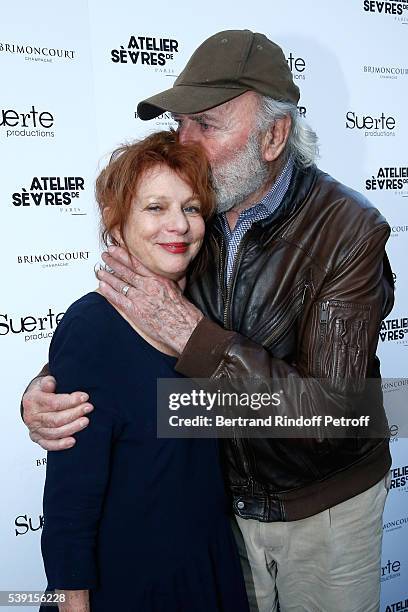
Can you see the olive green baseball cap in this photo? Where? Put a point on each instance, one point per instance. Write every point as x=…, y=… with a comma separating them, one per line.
x=223, y=67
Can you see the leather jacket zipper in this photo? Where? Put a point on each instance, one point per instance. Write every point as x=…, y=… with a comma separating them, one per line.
x=239, y=446
x=221, y=269
x=323, y=323
x=231, y=282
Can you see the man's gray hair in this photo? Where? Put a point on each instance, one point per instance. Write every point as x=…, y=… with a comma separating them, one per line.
x=302, y=142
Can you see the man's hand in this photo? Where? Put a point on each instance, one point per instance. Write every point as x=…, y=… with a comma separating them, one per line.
x=74, y=601
x=54, y=418
x=154, y=304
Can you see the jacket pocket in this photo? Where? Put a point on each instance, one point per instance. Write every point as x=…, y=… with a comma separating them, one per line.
x=340, y=353
x=274, y=331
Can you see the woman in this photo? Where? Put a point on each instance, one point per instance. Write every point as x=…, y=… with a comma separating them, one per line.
x=132, y=522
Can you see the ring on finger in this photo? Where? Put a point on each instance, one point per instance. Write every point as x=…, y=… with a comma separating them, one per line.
x=125, y=289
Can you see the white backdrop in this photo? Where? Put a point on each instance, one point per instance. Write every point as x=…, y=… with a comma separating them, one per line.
x=66, y=101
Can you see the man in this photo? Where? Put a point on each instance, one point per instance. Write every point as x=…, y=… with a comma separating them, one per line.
x=297, y=286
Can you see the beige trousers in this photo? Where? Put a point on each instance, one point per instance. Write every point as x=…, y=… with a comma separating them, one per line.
x=329, y=562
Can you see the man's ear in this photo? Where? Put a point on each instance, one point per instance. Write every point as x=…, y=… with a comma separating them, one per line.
x=276, y=138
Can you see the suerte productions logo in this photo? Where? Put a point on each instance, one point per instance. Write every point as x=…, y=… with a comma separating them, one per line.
x=36, y=52
x=155, y=52
x=386, y=72
x=392, y=569
x=50, y=191
x=397, y=606
x=33, y=123
x=30, y=327
x=395, y=330
x=395, y=525
x=389, y=178
x=371, y=125
x=399, y=478
x=396, y=8
x=24, y=524
x=53, y=260
x=297, y=66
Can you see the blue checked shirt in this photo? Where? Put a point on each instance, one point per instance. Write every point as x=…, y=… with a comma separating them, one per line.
x=259, y=211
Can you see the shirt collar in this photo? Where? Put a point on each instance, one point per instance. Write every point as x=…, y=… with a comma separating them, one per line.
x=273, y=198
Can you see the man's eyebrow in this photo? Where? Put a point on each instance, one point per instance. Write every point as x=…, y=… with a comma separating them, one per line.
x=197, y=117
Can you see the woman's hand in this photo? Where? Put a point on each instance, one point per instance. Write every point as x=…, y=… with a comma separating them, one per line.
x=75, y=601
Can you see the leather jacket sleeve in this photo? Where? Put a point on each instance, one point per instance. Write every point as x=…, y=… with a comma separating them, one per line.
x=337, y=340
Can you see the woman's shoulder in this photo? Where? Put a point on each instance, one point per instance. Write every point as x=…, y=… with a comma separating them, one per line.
x=89, y=317
x=92, y=306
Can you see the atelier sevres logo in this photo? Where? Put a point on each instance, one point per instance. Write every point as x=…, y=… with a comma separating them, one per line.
x=371, y=125
x=31, y=123
x=58, y=192
x=397, y=606
x=391, y=8
x=389, y=178
x=395, y=330
x=36, y=52
x=149, y=51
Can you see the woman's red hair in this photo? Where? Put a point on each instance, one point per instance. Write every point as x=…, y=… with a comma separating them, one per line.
x=117, y=184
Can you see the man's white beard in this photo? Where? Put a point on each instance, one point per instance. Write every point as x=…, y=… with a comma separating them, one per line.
x=241, y=176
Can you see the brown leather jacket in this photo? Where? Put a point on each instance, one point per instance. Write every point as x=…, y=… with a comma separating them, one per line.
x=309, y=289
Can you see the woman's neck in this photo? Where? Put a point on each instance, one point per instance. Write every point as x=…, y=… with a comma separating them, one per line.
x=163, y=348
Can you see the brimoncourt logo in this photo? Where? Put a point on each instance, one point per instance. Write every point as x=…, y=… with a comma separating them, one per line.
x=37, y=53
x=397, y=230
x=146, y=50
x=386, y=72
x=53, y=260
x=397, y=524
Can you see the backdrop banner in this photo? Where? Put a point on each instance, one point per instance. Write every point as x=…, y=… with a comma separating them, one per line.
x=71, y=81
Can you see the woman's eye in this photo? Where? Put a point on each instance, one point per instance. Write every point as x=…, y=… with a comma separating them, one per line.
x=192, y=210
x=154, y=207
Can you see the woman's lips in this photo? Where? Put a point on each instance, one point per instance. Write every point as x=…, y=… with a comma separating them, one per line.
x=174, y=247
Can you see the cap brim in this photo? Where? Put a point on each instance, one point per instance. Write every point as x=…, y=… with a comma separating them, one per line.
x=186, y=99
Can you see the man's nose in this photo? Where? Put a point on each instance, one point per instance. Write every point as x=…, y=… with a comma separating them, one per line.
x=188, y=132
